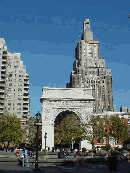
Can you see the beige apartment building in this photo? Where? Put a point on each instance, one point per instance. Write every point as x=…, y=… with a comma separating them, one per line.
x=89, y=71
x=14, y=85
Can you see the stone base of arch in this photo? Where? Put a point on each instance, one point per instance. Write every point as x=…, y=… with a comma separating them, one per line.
x=57, y=100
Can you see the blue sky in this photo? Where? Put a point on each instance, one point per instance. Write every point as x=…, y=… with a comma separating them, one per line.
x=45, y=32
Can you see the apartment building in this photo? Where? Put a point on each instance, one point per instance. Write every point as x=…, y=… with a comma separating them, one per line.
x=89, y=71
x=14, y=84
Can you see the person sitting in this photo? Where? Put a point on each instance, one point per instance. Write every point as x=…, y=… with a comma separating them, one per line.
x=67, y=155
x=17, y=153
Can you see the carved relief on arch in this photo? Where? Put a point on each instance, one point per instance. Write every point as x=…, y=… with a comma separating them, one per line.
x=47, y=114
x=47, y=103
x=56, y=112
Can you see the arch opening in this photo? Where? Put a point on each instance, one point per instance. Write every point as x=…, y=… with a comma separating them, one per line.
x=67, y=130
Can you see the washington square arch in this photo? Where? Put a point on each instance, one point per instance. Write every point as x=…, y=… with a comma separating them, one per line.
x=58, y=100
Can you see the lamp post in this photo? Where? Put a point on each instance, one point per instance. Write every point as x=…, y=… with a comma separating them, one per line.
x=37, y=123
x=72, y=143
x=45, y=139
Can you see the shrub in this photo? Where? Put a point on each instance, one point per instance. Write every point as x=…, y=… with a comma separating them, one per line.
x=106, y=147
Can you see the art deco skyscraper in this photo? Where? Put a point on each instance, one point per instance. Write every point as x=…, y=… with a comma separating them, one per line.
x=14, y=84
x=89, y=71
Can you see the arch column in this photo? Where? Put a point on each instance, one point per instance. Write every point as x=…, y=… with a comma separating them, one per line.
x=49, y=129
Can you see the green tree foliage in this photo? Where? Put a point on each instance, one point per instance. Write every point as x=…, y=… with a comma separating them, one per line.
x=70, y=128
x=96, y=128
x=33, y=132
x=10, y=129
x=117, y=128
x=104, y=126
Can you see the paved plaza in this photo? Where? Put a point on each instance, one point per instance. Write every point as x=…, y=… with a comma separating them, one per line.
x=12, y=166
x=9, y=164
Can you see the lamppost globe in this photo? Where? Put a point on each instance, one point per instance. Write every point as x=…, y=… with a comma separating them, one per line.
x=38, y=116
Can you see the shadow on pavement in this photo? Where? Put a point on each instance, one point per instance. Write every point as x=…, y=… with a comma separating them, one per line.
x=66, y=167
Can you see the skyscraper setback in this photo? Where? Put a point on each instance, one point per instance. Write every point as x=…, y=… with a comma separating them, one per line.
x=14, y=84
x=89, y=71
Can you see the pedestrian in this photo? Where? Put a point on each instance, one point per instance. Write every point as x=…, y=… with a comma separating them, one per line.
x=30, y=155
x=84, y=154
x=87, y=152
x=94, y=151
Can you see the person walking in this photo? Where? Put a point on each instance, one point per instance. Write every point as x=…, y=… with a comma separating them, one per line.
x=84, y=153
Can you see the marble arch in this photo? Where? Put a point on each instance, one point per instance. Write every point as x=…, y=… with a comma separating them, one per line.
x=57, y=100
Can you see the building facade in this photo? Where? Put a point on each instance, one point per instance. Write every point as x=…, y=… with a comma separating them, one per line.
x=125, y=117
x=14, y=84
x=89, y=71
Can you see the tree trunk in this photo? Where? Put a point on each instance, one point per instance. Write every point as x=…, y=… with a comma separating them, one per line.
x=8, y=145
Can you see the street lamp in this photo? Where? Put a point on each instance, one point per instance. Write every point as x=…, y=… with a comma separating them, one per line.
x=73, y=141
x=37, y=123
x=45, y=139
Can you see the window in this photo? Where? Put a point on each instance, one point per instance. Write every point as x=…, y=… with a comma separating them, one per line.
x=98, y=141
x=18, y=103
x=117, y=142
x=104, y=140
x=10, y=75
x=105, y=130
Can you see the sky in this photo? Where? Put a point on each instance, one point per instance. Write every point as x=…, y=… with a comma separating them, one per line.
x=46, y=32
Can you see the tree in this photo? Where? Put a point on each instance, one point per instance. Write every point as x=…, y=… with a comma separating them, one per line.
x=96, y=128
x=11, y=130
x=118, y=128
x=69, y=129
x=104, y=126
